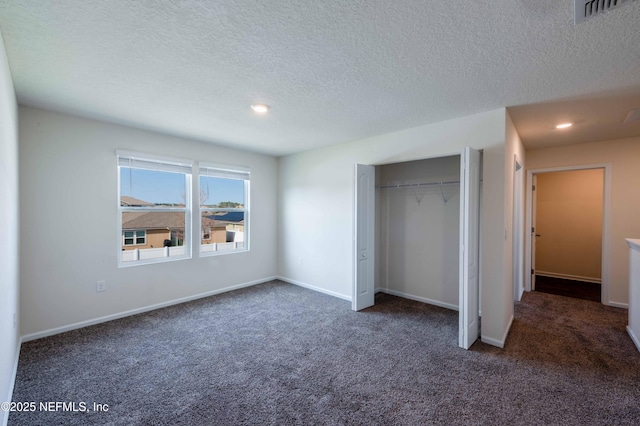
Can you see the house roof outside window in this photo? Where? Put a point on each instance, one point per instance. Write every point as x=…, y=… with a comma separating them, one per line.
x=133, y=202
x=169, y=220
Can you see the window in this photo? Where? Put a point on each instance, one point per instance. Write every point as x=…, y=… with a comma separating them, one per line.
x=224, y=209
x=137, y=237
x=154, y=208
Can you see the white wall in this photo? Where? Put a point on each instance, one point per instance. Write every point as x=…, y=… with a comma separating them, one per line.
x=623, y=155
x=418, y=233
x=9, y=274
x=503, y=295
x=68, y=226
x=316, y=205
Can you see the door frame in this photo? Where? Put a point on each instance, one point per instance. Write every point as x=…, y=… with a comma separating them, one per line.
x=518, y=229
x=531, y=232
x=606, y=223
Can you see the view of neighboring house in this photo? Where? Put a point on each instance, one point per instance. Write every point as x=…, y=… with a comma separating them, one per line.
x=143, y=230
x=133, y=202
x=233, y=223
x=147, y=230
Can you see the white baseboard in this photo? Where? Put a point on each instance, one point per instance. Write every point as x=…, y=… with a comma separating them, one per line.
x=314, y=288
x=499, y=343
x=82, y=324
x=492, y=342
x=634, y=338
x=569, y=277
x=420, y=299
x=617, y=305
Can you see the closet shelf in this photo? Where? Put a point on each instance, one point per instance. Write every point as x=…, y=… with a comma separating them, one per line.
x=419, y=189
x=416, y=185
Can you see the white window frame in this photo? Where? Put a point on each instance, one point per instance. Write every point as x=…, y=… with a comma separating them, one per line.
x=156, y=163
x=225, y=171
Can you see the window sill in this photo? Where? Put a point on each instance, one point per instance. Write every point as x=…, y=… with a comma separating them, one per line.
x=122, y=264
x=222, y=252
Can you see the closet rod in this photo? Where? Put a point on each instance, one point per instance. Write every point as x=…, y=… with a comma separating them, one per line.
x=413, y=185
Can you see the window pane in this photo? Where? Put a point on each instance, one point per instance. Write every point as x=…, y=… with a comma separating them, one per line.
x=221, y=193
x=226, y=231
x=128, y=234
x=157, y=234
x=146, y=188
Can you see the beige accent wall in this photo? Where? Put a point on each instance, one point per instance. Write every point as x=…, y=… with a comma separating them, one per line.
x=624, y=157
x=569, y=221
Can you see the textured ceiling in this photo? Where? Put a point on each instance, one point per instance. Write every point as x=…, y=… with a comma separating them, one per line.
x=332, y=71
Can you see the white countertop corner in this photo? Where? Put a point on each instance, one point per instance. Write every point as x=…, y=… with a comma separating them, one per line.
x=633, y=243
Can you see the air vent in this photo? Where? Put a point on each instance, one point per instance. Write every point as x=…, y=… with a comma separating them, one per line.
x=587, y=9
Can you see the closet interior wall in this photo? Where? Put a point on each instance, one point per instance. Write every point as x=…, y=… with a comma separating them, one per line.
x=418, y=230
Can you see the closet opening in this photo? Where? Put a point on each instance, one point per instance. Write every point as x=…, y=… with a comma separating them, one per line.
x=419, y=215
x=418, y=230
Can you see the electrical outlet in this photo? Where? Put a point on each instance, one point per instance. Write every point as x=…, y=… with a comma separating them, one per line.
x=101, y=286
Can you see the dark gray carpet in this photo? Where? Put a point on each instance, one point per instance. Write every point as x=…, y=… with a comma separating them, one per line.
x=279, y=354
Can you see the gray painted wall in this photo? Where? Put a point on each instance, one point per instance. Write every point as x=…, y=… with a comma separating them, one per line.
x=316, y=192
x=68, y=178
x=9, y=274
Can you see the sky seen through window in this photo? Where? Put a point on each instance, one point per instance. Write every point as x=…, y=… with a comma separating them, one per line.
x=168, y=188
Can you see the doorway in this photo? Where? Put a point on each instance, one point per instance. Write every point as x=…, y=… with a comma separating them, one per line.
x=568, y=219
x=422, y=213
x=417, y=230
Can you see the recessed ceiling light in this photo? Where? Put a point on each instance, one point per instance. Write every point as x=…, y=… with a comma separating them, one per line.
x=564, y=125
x=260, y=108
